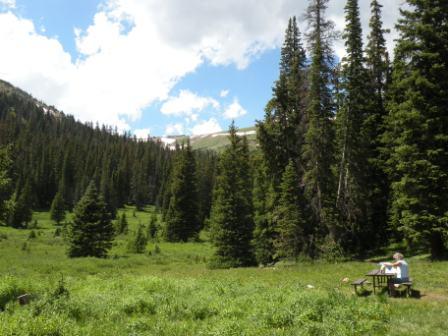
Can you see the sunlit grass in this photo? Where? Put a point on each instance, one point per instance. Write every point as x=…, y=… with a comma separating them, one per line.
x=173, y=292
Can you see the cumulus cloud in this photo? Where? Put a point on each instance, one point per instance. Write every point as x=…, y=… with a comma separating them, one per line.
x=8, y=3
x=187, y=104
x=224, y=93
x=136, y=51
x=206, y=127
x=142, y=133
x=234, y=110
x=174, y=129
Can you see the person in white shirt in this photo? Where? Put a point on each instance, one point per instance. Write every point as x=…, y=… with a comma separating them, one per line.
x=400, y=267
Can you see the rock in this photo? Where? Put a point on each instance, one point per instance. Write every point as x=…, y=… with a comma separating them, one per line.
x=24, y=299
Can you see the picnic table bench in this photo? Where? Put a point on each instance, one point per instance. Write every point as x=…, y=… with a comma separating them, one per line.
x=359, y=282
x=381, y=280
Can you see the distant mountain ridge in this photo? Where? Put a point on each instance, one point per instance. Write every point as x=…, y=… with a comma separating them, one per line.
x=213, y=141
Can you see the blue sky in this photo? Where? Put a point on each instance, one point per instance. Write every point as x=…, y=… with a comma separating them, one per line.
x=163, y=67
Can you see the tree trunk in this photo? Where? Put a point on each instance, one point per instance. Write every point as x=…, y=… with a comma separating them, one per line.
x=439, y=250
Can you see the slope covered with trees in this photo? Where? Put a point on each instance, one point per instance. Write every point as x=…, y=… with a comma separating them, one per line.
x=352, y=153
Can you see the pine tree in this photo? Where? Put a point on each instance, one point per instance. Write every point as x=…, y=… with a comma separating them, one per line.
x=378, y=67
x=122, y=227
x=318, y=150
x=231, y=219
x=5, y=181
x=280, y=134
x=263, y=200
x=106, y=188
x=182, y=222
x=20, y=207
x=57, y=211
x=91, y=232
x=152, y=226
x=418, y=127
x=290, y=240
x=377, y=58
x=139, y=241
x=353, y=142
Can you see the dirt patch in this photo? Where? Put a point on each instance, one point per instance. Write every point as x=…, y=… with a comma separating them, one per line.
x=428, y=296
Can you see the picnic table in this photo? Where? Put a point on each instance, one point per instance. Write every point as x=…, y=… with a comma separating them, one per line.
x=380, y=279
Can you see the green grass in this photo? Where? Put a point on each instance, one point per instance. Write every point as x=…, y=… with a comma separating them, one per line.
x=174, y=293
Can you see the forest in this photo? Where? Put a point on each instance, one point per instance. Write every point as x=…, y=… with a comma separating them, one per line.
x=103, y=233
x=351, y=156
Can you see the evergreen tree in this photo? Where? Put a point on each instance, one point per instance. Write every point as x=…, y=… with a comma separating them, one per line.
x=318, y=150
x=378, y=67
x=5, y=181
x=290, y=221
x=20, y=207
x=182, y=222
x=122, y=227
x=152, y=226
x=231, y=219
x=263, y=200
x=418, y=127
x=281, y=132
x=377, y=59
x=91, y=232
x=57, y=211
x=139, y=241
x=106, y=188
x=353, y=142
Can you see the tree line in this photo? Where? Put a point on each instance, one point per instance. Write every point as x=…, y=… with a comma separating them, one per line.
x=352, y=152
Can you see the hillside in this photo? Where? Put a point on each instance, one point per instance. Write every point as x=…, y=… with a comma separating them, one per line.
x=52, y=151
x=10, y=90
x=214, y=141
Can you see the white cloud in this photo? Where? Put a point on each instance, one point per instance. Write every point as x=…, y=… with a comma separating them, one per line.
x=224, y=93
x=234, y=110
x=174, y=129
x=142, y=133
x=136, y=51
x=206, y=127
x=186, y=104
x=8, y=3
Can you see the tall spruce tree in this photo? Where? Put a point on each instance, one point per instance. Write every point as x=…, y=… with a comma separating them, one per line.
x=290, y=239
x=418, y=127
x=263, y=201
x=231, y=218
x=378, y=67
x=91, y=232
x=281, y=132
x=182, y=220
x=352, y=197
x=57, y=210
x=318, y=150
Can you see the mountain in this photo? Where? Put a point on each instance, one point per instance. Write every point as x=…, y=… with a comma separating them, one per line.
x=10, y=90
x=213, y=141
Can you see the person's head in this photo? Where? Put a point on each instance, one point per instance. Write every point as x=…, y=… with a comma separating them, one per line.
x=398, y=256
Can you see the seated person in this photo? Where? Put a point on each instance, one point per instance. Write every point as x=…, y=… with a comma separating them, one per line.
x=399, y=267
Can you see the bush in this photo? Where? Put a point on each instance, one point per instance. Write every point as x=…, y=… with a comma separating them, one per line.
x=32, y=235
x=10, y=289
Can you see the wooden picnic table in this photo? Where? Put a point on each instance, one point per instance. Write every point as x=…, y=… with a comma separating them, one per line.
x=380, y=279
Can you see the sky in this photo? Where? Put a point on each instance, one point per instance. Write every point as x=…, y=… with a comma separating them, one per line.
x=158, y=67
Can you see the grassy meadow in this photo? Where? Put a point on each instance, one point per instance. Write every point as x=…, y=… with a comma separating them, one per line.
x=169, y=290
